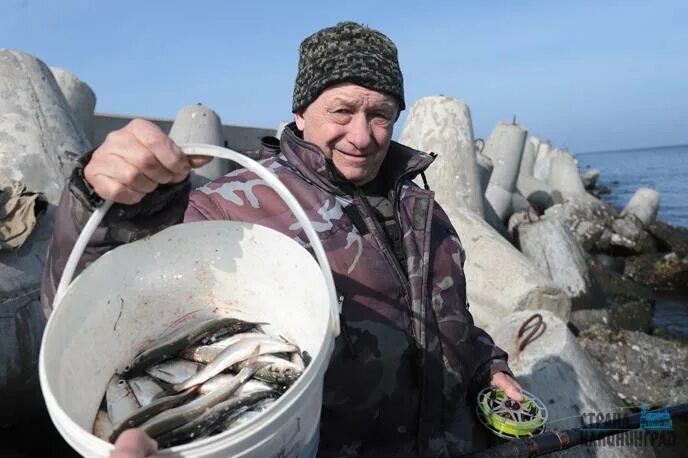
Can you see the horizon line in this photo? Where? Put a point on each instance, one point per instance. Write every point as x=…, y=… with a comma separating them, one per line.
x=633, y=149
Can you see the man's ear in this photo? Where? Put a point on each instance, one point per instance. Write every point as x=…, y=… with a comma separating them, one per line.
x=299, y=119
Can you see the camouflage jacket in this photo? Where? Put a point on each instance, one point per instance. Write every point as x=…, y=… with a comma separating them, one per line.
x=409, y=360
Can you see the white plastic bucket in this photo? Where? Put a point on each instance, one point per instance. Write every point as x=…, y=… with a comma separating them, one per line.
x=136, y=292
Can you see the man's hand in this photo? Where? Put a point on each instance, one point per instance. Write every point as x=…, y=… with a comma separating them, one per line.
x=134, y=160
x=134, y=443
x=510, y=386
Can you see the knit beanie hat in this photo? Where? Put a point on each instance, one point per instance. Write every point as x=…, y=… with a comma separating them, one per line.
x=347, y=52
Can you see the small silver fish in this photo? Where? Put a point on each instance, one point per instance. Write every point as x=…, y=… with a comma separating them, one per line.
x=209, y=421
x=151, y=410
x=146, y=389
x=206, y=353
x=102, y=427
x=175, y=417
x=298, y=361
x=234, y=354
x=252, y=412
x=170, y=344
x=222, y=379
x=120, y=400
x=277, y=370
x=174, y=370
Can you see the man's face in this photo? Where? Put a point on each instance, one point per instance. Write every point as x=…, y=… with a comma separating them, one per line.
x=353, y=126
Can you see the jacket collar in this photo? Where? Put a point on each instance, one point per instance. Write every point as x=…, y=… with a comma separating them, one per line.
x=310, y=161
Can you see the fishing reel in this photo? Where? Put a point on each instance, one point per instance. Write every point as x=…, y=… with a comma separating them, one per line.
x=511, y=419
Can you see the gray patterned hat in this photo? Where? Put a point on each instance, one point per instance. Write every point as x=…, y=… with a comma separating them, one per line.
x=347, y=52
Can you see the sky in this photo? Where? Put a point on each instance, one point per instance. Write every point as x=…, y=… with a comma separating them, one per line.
x=586, y=75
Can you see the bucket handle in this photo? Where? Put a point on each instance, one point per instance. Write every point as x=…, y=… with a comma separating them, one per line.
x=255, y=167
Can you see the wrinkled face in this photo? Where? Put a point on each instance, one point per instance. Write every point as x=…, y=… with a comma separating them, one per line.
x=353, y=126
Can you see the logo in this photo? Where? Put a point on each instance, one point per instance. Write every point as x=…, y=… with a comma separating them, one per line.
x=658, y=420
x=650, y=428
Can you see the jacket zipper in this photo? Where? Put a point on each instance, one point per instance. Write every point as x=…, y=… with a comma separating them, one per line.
x=381, y=237
x=419, y=334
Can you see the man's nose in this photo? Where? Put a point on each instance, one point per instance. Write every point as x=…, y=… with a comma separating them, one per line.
x=360, y=134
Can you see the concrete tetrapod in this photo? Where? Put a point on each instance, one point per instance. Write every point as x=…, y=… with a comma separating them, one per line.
x=644, y=204
x=549, y=244
x=199, y=124
x=280, y=128
x=443, y=125
x=499, y=278
x=557, y=370
x=80, y=98
x=538, y=192
x=40, y=140
x=541, y=165
x=485, y=169
x=505, y=147
x=563, y=174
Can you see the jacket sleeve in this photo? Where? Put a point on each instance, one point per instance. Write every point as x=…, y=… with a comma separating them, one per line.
x=123, y=223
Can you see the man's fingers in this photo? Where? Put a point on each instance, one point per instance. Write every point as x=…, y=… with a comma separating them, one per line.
x=510, y=386
x=197, y=160
x=130, y=175
x=164, y=149
x=513, y=392
x=109, y=189
x=138, y=155
x=134, y=443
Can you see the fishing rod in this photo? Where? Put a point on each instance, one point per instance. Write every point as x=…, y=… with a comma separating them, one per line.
x=553, y=441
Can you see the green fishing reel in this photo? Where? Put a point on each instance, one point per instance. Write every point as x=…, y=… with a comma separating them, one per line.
x=511, y=419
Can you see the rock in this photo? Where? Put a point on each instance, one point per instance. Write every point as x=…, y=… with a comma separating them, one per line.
x=505, y=147
x=584, y=319
x=618, y=287
x=650, y=373
x=658, y=270
x=668, y=334
x=556, y=369
x=199, y=124
x=549, y=244
x=634, y=316
x=644, y=204
x=615, y=264
x=670, y=238
x=602, y=190
x=585, y=216
x=443, y=125
x=589, y=178
x=628, y=237
x=80, y=98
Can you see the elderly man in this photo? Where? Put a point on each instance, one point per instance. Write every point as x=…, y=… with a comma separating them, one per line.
x=409, y=359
